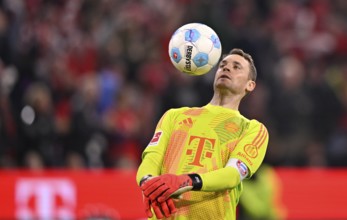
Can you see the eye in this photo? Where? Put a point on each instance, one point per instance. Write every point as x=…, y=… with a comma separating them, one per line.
x=236, y=67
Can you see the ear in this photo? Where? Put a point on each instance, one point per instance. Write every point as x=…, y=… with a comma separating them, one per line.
x=250, y=86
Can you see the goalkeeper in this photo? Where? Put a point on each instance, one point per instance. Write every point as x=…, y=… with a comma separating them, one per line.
x=195, y=163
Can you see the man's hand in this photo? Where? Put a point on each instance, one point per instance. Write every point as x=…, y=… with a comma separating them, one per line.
x=163, y=187
x=166, y=208
x=161, y=209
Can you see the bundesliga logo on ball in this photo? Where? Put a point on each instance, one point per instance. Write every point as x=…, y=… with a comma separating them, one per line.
x=195, y=49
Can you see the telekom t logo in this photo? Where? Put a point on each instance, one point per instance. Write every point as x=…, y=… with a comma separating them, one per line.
x=43, y=198
x=199, y=150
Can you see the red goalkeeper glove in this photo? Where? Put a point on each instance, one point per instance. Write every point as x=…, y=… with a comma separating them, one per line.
x=163, y=187
x=166, y=208
x=161, y=209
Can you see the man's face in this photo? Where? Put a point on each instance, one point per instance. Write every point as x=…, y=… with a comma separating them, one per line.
x=233, y=75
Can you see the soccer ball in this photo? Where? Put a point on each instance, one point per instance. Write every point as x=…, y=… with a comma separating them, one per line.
x=195, y=49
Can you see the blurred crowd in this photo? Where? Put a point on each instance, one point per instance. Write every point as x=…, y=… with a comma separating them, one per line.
x=84, y=82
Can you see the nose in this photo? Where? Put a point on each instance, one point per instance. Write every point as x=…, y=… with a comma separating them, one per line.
x=225, y=69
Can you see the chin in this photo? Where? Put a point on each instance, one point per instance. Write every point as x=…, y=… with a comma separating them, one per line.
x=220, y=85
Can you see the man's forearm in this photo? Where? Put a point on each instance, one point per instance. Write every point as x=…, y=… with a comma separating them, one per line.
x=221, y=179
x=149, y=166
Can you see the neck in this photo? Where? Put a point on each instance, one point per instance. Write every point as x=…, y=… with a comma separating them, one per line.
x=226, y=100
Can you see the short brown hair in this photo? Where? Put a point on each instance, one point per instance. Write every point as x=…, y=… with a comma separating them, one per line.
x=248, y=57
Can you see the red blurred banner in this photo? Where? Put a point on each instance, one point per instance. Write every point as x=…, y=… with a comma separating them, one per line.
x=62, y=194
x=318, y=194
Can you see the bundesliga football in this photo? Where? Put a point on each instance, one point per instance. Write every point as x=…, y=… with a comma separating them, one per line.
x=195, y=49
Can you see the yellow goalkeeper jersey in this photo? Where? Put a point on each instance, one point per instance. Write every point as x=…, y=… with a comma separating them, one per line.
x=199, y=140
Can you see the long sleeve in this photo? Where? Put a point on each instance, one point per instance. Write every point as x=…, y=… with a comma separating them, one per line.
x=152, y=156
x=251, y=147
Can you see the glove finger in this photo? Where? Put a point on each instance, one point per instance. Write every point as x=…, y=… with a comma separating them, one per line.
x=171, y=205
x=165, y=208
x=157, y=210
x=150, y=188
x=149, y=183
x=164, y=195
x=149, y=213
x=147, y=204
x=158, y=192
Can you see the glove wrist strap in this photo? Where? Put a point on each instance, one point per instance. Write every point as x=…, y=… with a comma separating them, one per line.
x=144, y=179
x=196, y=181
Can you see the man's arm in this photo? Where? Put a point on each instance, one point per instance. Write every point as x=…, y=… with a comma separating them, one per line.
x=152, y=156
x=252, y=146
x=162, y=187
x=244, y=161
x=150, y=166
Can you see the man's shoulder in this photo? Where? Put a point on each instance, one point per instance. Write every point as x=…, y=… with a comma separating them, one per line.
x=252, y=122
x=255, y=124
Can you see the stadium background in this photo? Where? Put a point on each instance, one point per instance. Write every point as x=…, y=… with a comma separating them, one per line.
x=84, y=82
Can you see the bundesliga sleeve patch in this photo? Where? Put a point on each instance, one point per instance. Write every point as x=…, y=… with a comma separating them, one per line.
x=156, y=138
x=240, y=166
